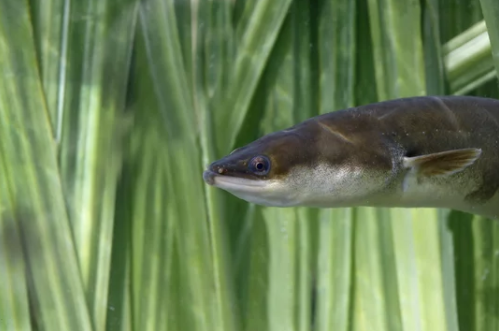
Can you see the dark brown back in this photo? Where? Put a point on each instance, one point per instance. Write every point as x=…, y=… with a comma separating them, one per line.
x=425, y=125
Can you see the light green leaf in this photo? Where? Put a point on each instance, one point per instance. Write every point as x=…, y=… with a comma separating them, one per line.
x=485, y=267
x=92, y=94
x=51, y=21
x=205, y=304
x=467, y=59
x=336, y=49
x=397, y=48
x=32, y=183
x=334, y=269
x=490, y=9
x=255, y=44
x=14, y=307
x=110, y=111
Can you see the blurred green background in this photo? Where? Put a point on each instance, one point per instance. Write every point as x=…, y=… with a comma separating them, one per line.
x=111, y=109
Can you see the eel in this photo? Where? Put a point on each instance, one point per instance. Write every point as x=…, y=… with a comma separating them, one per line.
x=414, y=152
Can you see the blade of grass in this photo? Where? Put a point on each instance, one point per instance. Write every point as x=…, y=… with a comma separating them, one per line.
x=174, y=315
x=376, y=294
x=421, y=276
x=475, y=264
x=465, y=37
x=448, y=256
x=304, y=48
x=119, y=315
x=256, y=315
x=257, y=39
x=490, y=9
x=486, y=268
x=337, y=51
x=334, y=274
x=50, y=21
x=435, y=85
x=161, y=300
x=212, y=48
x=305, y=267
x=458, y=16
x=436, y=301
x=485, y=254
x=51, y=26
x=260, y=119
x=474, y=85
x=94, y=91
x=148, y=302
x=336, y=57
x=393, y=287
x=146, y=231
x=376, y=303
x=397, y=52
x=304, y=57
x=473, y=236
x=213, y=51
x=186, y=21
x=155, y=283
x=460, y=225
x=14, y=308
x=29, y=164
x=205, y=297
x=285, y=284
x=154, y=13
x=457, y=23
x=283, y=243
x=281, y=224
x=252, y=274
x=218, y=50
x=365, y=90
x=467, y=59
x=432, y=46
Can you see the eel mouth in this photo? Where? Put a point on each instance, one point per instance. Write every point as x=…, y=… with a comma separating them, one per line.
x=231, y=182
x=209, y=177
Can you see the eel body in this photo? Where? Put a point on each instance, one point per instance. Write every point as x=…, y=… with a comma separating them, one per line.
x=421, y=152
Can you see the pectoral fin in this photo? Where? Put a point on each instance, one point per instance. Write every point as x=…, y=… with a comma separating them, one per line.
x=443, y=163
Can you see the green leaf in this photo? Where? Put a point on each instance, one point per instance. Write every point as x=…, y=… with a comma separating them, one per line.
x=14, y=307
x=336, y=50
x=93, y=93
x=397, y=48
x=255, y=44
x=205, y=301
x=421, y=273
x=457, y=16
x=376, y=303
x=432, y=46
x=283, y=243
x=467, y=59
x=485, y=268
x=490, y=10
x=51, y=21
x=33, y=184
x=334, y=269
x=111, y=110
x=256, y=312
x=305, y=61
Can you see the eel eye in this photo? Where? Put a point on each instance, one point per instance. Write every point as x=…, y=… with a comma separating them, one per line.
x=260, y=165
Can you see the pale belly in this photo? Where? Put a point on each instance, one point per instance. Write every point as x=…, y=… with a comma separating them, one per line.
x=436, y=195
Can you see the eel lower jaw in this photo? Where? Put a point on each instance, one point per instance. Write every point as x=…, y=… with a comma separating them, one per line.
x=233, y=183
x=209, y=177
x=258, y=191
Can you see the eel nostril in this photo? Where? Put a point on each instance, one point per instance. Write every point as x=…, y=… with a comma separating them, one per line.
x=222, y=170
